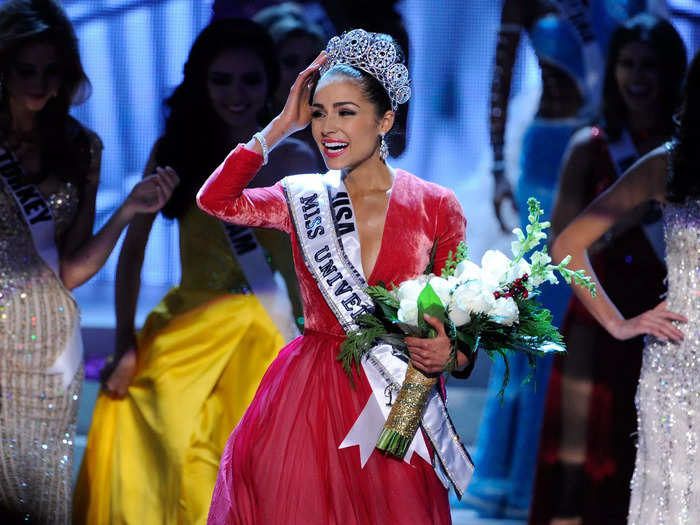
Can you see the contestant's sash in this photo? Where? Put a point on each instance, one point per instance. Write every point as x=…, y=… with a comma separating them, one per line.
x=37, y=214
x=623, y=154
x=577, y=12
x=324, y=222
x=267, y=286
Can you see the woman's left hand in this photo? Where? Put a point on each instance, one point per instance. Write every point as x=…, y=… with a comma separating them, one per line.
x=430, y=355
x=151, y=194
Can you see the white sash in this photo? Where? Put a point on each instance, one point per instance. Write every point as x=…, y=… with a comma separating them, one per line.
x=623, y=154
x=268, y=286
x=324, y=221
x=39, y=219
x=578, y=14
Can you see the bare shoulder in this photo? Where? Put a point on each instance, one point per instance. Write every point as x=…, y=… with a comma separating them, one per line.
x=77, y=128
x=653, y=169
x=585, y=138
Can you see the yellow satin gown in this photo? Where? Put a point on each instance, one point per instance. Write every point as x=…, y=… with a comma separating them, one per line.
x=153, y=457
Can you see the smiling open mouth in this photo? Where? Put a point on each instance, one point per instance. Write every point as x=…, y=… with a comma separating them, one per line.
x=334, y=148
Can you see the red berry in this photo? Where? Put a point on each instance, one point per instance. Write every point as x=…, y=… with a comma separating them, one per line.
x=496, y=294
x=518, y=280
x=508, y=295
x=525, y=294
x=525, y=277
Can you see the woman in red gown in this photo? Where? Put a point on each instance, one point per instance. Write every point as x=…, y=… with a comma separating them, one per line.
x=282, y=463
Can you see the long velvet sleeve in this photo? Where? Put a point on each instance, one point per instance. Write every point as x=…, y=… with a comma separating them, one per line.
x=450, y=231
x=223, y=194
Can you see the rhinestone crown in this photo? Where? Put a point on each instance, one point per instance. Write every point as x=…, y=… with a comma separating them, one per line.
x=377, y=56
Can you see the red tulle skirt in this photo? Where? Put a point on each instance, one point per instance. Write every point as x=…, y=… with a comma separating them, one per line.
x=282, y=464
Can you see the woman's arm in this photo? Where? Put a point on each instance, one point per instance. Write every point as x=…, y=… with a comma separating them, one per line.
x=83, y=255
x=118, y=374
x=576, y=173
x=506, y=48
x=644, y=181
x=223, y=194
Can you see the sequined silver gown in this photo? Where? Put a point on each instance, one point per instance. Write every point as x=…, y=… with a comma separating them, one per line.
x=37, y=416
x=665, y=490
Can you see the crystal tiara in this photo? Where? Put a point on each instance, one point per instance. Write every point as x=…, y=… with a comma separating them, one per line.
x=375, y=55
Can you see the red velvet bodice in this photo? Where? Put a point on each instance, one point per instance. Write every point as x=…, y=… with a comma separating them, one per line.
x=419, y=213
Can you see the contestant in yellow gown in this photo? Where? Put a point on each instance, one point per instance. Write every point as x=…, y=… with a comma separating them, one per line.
x=153, y=456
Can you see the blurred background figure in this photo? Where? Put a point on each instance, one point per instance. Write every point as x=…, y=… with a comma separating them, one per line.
x=587, y=448
x=298, y=41
x=174, y=392
x=49, y=173
x=663, y=485
x=569, y=39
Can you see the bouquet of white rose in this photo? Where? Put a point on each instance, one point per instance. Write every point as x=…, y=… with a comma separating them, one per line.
x=491, y=307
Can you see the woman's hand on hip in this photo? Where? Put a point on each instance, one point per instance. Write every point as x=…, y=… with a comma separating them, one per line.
x=657, y=322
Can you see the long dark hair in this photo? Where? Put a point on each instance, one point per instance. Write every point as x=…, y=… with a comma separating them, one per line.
x=195, y=139
x=65, y=148
x=665, y=41
x=685, y=181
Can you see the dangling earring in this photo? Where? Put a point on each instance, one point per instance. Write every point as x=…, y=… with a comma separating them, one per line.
x=383, y=149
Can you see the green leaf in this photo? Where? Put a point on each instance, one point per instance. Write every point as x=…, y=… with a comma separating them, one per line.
x=454, y=259
x=429, y=303
x=380, y=294
x=431, y=264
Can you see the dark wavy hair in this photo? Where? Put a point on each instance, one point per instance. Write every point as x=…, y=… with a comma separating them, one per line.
x=685, y=181
x=374, y=90
x=665, y=41
x=195, y=139
x=65, y=149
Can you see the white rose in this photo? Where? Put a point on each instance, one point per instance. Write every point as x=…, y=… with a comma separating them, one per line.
x=495, y=265
x=505, y=311
x=442, y=288
x=408, y=312
x=519, y=269
x=473, y=297
x=411, y=289
x=467, y=271
x=501, y=269
x=458, y=316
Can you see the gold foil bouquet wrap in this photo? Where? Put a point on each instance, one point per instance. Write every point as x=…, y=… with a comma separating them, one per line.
x=405, y=416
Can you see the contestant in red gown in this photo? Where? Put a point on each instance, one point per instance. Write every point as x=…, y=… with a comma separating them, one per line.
x=282, y=464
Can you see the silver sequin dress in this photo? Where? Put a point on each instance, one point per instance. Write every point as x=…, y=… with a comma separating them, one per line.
x=37, y=416
x=665, y=490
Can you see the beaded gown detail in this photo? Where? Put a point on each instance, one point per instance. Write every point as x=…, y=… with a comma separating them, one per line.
x=37, y=416
x=664, y=484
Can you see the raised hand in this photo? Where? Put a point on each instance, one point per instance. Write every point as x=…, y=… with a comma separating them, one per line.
x=151, y=193
x=296, y=113
x=656, y=322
